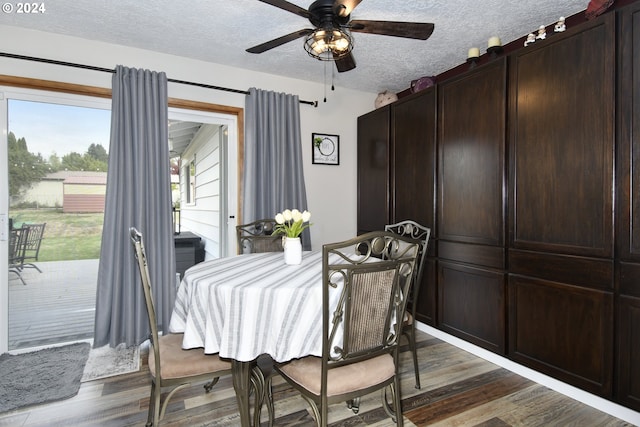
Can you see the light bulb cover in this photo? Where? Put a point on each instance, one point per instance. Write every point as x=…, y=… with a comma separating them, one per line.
x=328, y=44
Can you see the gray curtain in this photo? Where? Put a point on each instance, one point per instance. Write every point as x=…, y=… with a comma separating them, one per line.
x=139, y=195
x=273, y=172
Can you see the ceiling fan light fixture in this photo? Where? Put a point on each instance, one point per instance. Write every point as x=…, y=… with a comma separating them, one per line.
x=328, y=44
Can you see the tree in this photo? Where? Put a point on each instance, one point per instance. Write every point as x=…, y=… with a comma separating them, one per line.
x=25, y=168
x=73, y=162
x=88, y=162
x=55, y=164
x=98, y=152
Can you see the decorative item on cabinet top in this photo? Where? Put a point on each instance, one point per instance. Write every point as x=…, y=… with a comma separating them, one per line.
x=494, y=46
x=597, y=7
x=542, y=34
x=531, y=38
x=473, y=57
x=422, y=83
x=385, y=98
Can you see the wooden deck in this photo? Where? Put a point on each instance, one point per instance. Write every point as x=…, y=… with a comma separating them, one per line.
x=56, y=306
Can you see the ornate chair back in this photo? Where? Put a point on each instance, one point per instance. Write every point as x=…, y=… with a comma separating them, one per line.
x=419, y=232
x=365, y=284
x=258, y=236
x=370, y=277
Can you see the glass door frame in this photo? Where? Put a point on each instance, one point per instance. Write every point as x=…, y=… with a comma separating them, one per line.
x=35, y=95
x=231, y=158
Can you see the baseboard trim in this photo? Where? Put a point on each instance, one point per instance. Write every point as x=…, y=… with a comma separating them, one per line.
x=592, y=400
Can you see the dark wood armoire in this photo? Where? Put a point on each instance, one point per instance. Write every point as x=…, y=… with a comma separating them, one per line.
x=527, y=169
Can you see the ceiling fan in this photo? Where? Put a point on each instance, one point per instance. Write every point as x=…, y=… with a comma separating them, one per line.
x=330, y=40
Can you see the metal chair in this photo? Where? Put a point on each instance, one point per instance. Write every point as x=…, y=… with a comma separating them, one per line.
x=414, y=230
x=365, y=283
x=16, y=251
x=32, y=244
x=169, y=364
x=257, y=236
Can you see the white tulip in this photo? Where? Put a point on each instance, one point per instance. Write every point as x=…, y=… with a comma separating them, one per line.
x=280, y=218
x=296, y=215
x=306, y=216
x=287, y=215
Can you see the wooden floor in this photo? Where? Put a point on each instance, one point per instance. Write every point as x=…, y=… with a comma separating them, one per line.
x=458, y=389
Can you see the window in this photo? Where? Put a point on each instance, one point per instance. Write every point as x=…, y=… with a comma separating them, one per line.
x=190, y=181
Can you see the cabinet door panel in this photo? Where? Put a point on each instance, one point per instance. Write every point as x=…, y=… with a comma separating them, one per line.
x=426, y=309
x=472, y=111
x=629, y=135
x=629, y=352
x=472, y=305
x=564, y=331
x=486, y=256
x=413, y=167
x=629, y=279
x=373, y=170
x=561, y=119
x=594, y=273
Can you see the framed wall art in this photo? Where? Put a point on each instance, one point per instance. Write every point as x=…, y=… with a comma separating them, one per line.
x=325, y=149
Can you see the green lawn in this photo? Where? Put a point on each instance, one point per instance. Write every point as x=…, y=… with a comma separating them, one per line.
x=67, y=236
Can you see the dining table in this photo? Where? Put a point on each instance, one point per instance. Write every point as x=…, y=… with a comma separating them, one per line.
x=245, y=306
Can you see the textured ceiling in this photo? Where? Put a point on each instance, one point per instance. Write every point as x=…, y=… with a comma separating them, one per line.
x=220, y=31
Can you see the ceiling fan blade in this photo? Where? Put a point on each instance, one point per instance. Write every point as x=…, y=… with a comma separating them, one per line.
x=345, y=7
x=345, y=63
x=279, y=41
x=289, y=7
x=411, y=30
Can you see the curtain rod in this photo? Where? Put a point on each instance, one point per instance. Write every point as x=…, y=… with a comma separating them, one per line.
x=108, y=70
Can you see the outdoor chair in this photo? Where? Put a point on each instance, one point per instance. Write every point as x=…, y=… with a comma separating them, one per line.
x=365, y=283
x=16, y=251
x=258, y=236
x=32, y=244
x=169, y=364
x=414, y=230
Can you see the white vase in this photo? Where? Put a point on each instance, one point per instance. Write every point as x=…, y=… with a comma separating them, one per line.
x=292, y=250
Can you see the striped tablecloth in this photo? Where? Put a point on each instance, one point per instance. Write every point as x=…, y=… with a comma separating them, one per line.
x=247, y=305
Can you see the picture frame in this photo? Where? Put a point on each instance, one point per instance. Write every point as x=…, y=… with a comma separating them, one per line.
x=325, y=149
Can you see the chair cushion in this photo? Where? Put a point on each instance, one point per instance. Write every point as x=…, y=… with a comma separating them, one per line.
x=176, y=362
x=345, y=379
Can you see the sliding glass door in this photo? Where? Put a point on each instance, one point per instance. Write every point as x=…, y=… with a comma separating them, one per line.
x=57, y=156
x=54, y=149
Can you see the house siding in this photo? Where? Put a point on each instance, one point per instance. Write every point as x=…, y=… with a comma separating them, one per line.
x=202, y=217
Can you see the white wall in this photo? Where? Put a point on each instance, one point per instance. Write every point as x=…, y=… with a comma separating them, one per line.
x=331, y=190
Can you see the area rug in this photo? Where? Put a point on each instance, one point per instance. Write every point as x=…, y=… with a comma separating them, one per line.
x=41, y=376
x=111, y=361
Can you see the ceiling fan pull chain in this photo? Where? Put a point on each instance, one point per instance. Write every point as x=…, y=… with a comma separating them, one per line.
x=325, y=82
x=333, y=75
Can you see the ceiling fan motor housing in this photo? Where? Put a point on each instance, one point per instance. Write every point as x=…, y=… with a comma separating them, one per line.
x=323, y=14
